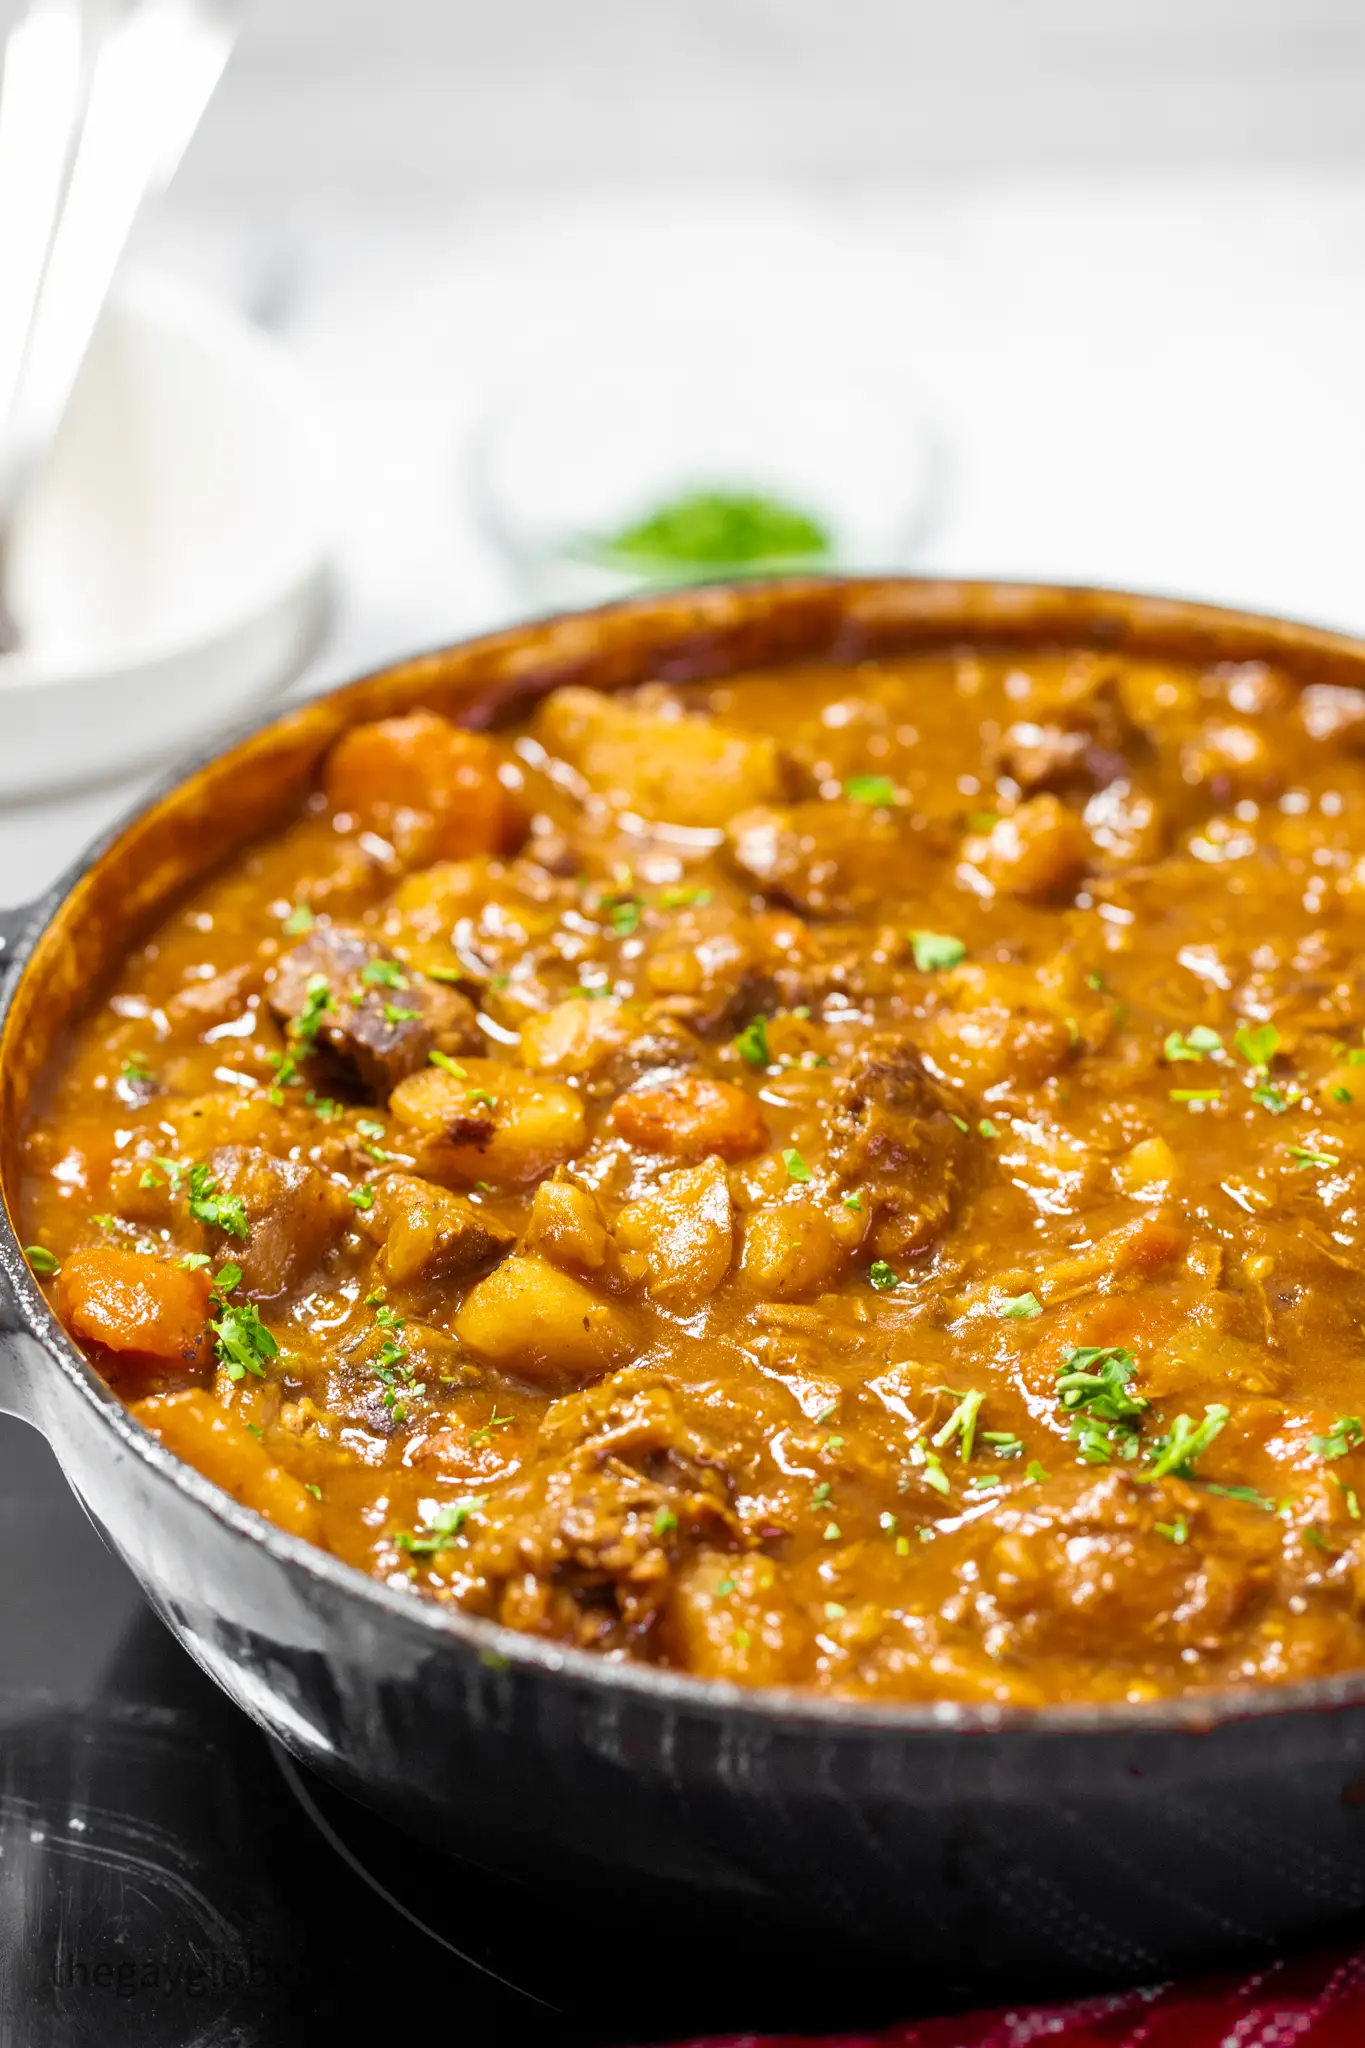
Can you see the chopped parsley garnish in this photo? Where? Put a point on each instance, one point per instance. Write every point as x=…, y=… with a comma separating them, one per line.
x=441, y=1529
x=368, y=1128
x=855, y=1203
x=1344, y=1435
x=1003, y=1442
x=133, y=1070
x=714, y=529
x=218, y=1211
x=194, y=1262
x=41, y=1259
x=481, y=1095
x=624, y=916
x=982, y=1482
x=1278, y=1100
x=1034, y=1471
x=309, y=1487
x=870, y=789
x=383, y=974
x=796, y=1166
x=1092, y=1385
x=1096, y=982
x=148, y=1179
x=1248, y=1494
x=323, y=1105
x=1304, y=1156
x=1197, y=1044
x=447, y=1065
x=664, y=1521
x=1195, y=1096
x=388, y=1318
x=931, y=1467
x=242, y=1341
x=832, y=1532
x=1258, y=1044
x=1187, y=1441
x=821, y=1494
x=1174, y=1532
x=361, y=1197
x=987, y=1128
x=935, y=951
x=752, y=1042
x=881, y=1275
x=960, y=1424
x=1022, y=1306
x=299, y=921
x=317, y=1001
x=399, y=1013
x=961, y=1123
x=679, y=897
x=1337, y=1093
x=485, y=1430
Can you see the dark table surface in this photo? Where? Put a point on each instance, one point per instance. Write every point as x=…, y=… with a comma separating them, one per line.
x=167, y=1880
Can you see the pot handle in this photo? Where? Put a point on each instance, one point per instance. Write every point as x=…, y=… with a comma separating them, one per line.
x=15, y=1341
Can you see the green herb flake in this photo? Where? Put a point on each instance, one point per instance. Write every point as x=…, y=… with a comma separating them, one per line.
x=1303, y=1157
x=1176, y=1452
x=317, y=1001
x=361, y=1197
x=324, y=1106
x=217, y=1211
x=42, y=1260
x=961, y=1123
x=1337, y=1093
x=796, y=1166
x=878, y=790
x=1195, y=1098
x=1258, y=1044
x=449, y=974
x=881, y=1275
x=1023, y=1307
x=481, y=1095
x=1092, y=1386
x=447, y=1065
x=383, y=974
x=625, y=916
x=227, y=1278
x=299, y=921
x=400, y=1013
x=960, y=1424
x=855, y=1203
x=832, y=1532
x=1034, y=1471
x=1200, y=1043
x=987, y=1128
x=1344, y=1435
x=936, y=951
x=1097, y=983
x=1278, y=1100
x=243, y=1343
x=368, y=1128
x=1247, y=1494
x=441, y=1529
x=1003, y=1442
x=134, y=1071
x=1174, y=1532
x=194, y=1262
x=752, y=1042
x=664, y=1521
x=821, y=1494
x=678, y=897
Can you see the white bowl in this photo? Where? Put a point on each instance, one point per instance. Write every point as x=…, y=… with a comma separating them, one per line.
x=171, y=566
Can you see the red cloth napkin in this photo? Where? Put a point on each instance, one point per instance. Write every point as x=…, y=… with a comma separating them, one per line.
x=1318, y=2001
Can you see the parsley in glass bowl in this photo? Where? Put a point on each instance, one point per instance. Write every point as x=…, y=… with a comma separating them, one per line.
x=676, y=457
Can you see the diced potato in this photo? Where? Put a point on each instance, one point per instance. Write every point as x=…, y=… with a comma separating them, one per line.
x=690, y=771
x=425, y=785
x=489, y=1121
x=1038, y=852
x=691, y=1117
x=221, y=1446
x=227, y=1117
x=577, y=1037
x=425, y=905
x=1145, y=1173
x=726, y=1618
x=135, y=1303
x=530, y=1318
x=685, y=1232
x=565, y=1226
x=428, y=1232
x=793, y=1248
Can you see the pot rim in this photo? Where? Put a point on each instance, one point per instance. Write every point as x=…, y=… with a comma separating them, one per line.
x=782, y=1708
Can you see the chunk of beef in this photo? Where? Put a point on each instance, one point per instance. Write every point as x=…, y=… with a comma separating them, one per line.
x=894, y=1141
x=205, y=1003
x=294, y=1215
x=428, y=1233
x=619, y=1492
x=604, y=1045
x=831, y=859
x=379, y=1021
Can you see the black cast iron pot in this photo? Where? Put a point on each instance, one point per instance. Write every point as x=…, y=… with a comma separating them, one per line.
x=1074, y=1845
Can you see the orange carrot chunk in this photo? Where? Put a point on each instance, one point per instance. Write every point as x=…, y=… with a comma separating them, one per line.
x=692, y=1117
x=423, y=765
x=132, y=1302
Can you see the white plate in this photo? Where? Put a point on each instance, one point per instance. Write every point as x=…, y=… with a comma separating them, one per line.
x=172, y=565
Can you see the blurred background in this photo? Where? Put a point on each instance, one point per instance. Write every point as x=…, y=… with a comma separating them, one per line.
x=1060, y=288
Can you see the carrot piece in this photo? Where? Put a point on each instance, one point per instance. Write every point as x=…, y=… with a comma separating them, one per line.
x=130, y=1301
x=425, y=765
x=691, y=1117
x=218, y=1444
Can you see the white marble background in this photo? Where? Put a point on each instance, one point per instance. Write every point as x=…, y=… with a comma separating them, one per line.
x=1115, y=247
